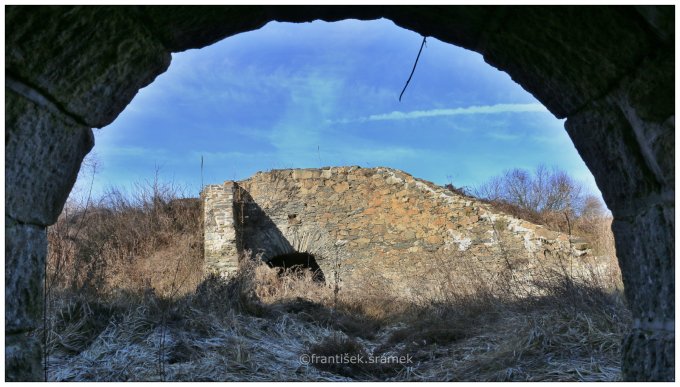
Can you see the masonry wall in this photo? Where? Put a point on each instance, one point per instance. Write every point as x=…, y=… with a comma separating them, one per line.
x=376, y=223
x=221, y=252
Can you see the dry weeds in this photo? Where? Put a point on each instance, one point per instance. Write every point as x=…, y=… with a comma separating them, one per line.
x=154, y=317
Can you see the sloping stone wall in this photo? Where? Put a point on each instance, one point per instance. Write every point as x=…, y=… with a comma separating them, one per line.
x=371, y=219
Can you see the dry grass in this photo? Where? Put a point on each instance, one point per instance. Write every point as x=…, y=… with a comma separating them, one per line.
x=153, y=317
x=226, y=332
x=147, y=239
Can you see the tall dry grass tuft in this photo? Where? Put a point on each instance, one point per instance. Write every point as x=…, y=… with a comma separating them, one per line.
x=150, y=238
x=146, y=242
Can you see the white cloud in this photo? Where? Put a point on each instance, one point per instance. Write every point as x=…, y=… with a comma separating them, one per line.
x=487, y=109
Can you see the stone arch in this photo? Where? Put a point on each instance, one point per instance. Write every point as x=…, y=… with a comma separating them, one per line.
x=608, y=69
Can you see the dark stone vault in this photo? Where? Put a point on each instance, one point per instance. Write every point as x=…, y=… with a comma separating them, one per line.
x=608, y=69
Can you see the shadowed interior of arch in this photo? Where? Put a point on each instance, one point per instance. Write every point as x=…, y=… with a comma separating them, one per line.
x=297, y=261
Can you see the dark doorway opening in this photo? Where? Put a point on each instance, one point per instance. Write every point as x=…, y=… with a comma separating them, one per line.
x=297, y=262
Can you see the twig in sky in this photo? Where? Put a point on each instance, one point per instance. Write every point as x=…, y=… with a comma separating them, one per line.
x=413, y=70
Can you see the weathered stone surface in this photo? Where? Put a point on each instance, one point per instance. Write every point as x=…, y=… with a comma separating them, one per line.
x=607, y=142
x=378, y=219
x=545, y=39
x=91, y=61
x=184, y=27
x=43, y=151
x=23, y=358
x=649, y=355
x=627, y=138
x=649, y=283
x=661, y=19
x=472, y=22
x=25, y=251
x=221, y=254
x=649, y=107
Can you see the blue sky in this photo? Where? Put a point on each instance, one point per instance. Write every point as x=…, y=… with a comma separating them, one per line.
x=319, y=94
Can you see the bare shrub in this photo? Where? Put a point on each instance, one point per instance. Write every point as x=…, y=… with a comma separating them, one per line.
x=543, y=190
x=553, y=199
x=545, y=196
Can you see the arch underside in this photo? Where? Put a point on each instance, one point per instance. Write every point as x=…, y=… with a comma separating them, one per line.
x=298, y=262
x=608, y=69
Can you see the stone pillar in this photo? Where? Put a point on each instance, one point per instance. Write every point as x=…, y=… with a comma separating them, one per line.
x=25, y=248
x=645, y=246
x=627, y=140
x=220, y=248
x=645, y=229
x=43, y=151
x=68, y=69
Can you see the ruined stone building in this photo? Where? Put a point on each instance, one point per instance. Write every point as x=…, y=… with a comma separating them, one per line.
x=376, y=223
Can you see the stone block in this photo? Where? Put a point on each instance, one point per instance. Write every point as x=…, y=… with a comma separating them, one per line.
x=434, y=239
x=645, y=246
x=23, y=358
x=43, y=152
x=661, y=19
x=579, y=36
x=607, y=143
x=25, y=252
x=647, y=100
x=301, y=174
x=649, y=355
x=341, y=187
x=79, y=57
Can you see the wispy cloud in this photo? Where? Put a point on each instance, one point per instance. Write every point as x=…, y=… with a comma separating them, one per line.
x=486, y=109
x=503, y=136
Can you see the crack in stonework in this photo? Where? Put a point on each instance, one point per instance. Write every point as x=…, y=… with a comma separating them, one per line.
x=9, y=219
x=41, y=99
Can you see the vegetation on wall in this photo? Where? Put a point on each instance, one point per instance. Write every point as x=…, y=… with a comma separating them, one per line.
x=549, y=197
